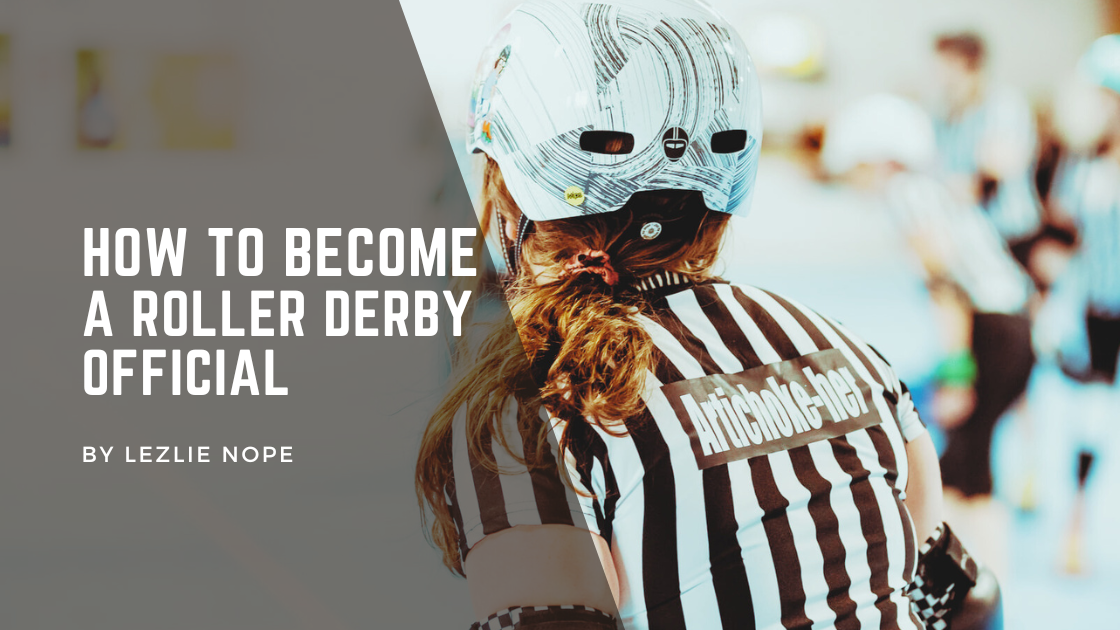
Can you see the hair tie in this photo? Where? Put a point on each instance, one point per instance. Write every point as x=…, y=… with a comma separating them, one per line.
x=592, y=261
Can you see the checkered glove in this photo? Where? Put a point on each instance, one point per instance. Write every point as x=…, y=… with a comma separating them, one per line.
x=944, y=575
x=523, y=616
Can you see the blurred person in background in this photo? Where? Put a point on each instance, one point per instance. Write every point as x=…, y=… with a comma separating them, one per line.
x=987, y=146
x=885, y=144
x=1080, y=325
x=986, y=141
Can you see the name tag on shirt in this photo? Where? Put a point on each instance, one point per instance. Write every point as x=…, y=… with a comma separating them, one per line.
x=772, y=408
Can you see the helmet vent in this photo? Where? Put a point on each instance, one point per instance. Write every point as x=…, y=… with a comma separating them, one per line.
x=675, y=142
x=730, y=141
x=607, y=142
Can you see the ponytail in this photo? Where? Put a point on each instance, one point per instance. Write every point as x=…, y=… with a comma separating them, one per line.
x=572, y=344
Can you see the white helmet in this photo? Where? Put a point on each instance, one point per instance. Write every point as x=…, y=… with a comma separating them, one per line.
x=1083, y=110
x=876, y=129
x=584, y=103
x=1101, y=63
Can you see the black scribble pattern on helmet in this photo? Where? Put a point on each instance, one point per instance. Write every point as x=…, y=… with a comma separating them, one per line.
x=692, y=90
x=605, y=30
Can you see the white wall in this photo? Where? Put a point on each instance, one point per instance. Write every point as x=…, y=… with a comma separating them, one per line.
x=872, y=45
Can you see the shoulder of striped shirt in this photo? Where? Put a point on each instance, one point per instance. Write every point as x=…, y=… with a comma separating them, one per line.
x=839, y=327
x=854, y=341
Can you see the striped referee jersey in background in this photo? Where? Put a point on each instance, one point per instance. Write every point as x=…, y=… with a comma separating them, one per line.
x=1089, y=190
x=965, y=241
x=762, y=487
x=1004, y=120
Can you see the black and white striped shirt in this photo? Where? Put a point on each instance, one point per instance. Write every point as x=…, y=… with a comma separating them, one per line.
x=761, y=487
x=967, y=246
x=1003, y=122
x=1089, y=190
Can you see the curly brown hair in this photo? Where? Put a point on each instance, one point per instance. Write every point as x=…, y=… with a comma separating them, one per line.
x=572, y=343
